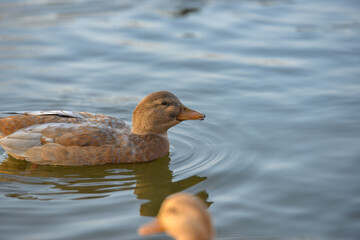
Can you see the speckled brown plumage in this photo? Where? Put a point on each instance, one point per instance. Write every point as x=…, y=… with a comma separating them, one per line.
x=79, y=138
x=132, y=148
x=11, y=124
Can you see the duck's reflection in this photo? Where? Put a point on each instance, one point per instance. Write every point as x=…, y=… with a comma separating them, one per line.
x=151, y=181
x=154, y=182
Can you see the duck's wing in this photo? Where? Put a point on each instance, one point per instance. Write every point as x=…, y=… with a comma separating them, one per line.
x=23, y=119
x=65, y=143
x=46, y=113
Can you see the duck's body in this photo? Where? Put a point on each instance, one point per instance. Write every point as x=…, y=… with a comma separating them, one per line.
x=79, y=138
x=182, y=216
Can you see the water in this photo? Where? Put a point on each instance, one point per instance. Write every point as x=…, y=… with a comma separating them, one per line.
x=277, y=156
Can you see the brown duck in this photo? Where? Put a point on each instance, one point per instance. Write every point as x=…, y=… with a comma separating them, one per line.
x=183, y=217
x=81, y=138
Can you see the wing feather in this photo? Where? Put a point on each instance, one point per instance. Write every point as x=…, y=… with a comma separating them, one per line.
x=44, y=113
x=65, y=134
x=18, y=142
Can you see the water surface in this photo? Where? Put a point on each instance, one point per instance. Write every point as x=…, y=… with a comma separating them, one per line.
x=277, y=156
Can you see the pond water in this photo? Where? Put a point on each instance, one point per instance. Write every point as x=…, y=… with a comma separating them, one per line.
x=277, y=156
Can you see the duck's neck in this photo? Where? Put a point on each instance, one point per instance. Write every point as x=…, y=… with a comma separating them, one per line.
x=141, y=132
x=144, y=128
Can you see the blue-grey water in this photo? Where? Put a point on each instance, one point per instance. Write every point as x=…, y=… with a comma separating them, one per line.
x=277, y=157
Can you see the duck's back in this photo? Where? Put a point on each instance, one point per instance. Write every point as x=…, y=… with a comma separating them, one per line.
x=9, y=125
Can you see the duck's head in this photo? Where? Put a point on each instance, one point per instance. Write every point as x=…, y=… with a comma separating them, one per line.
x=181, y=216
x=159, y=111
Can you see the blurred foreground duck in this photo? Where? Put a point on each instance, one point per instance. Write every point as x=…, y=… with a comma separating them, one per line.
x=81, y=138
x=183, y=217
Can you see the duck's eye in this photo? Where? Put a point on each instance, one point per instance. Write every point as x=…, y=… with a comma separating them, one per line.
x=164, y=103
x=173, y=210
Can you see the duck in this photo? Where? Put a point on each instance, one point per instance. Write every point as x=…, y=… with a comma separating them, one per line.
x=182, y=216
x=81, y=138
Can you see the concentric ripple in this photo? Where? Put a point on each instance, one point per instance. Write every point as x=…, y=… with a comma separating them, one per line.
x=208, y=151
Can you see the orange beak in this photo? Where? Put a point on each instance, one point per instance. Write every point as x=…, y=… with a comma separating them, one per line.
x=151, y=228
x=188, y=114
